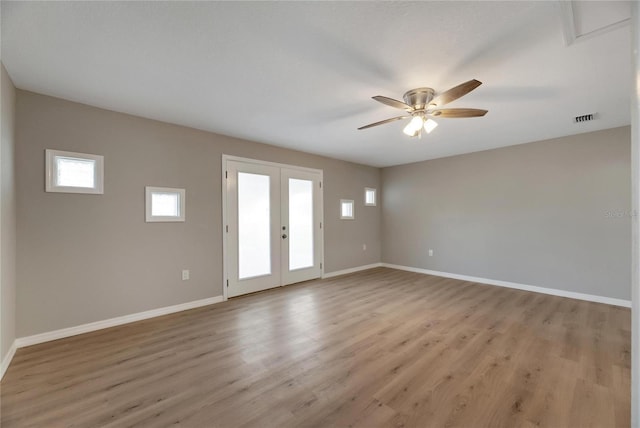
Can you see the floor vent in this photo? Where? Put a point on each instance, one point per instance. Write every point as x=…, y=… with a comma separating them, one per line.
x=584, y=118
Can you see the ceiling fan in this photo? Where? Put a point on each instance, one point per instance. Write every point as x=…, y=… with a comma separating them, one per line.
x=422, y=103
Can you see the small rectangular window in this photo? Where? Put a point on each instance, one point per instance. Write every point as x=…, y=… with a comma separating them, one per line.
x=346, y=209
x=69, y=172
x=369, y=197
x=164, y=204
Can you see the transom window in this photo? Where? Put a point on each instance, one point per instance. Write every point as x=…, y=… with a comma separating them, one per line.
x=346, y=209
x=164, y=204
x=369, y=197
x=70, y=172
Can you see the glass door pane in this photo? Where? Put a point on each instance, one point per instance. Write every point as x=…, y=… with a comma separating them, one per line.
x=300, y=224
x=301, y=217
x=254, y=225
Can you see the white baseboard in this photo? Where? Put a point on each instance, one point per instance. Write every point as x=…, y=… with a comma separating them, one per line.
x=7, y=359
x=21, y=342
x=534, y=288
x=350, y=270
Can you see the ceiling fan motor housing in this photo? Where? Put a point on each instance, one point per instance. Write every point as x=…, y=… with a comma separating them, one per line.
x=419, y=98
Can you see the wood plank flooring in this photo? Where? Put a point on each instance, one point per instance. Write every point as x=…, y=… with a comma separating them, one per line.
x=379, y=348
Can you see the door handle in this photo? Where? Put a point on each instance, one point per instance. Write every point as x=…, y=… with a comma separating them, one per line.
x=284, y=236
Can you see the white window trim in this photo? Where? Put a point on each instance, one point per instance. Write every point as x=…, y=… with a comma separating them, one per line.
x=51, y=172
x=149, y=190
x=353, y=209
x=375, y=196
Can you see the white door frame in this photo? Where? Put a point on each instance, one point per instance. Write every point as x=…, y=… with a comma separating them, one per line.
x=225, y=257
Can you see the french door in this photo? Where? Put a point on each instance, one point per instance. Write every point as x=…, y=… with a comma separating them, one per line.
x=273, y=225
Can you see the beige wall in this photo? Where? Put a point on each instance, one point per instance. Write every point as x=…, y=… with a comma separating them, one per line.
x=84, y=258
x=534, y=214
x=7, y=217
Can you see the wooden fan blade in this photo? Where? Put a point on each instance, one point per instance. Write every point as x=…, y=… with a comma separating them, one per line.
x=391, y=102
x=455, y=93
x=458, y=112
x=382, y=122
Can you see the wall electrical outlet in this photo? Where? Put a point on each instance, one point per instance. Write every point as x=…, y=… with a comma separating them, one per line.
x=430, y=252
x=364, y=247
x=185, y=274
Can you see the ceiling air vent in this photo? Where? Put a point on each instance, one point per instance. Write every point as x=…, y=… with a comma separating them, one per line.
x=584, y=118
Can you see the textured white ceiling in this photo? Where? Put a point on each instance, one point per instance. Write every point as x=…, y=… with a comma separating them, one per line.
x=301, y=74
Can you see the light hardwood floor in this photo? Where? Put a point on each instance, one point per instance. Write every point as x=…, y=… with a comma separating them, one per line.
x=376, y=348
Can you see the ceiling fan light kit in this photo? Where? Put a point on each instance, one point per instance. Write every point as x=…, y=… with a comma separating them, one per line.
x=415, y=126
x=421, y=103
x=430, y=125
